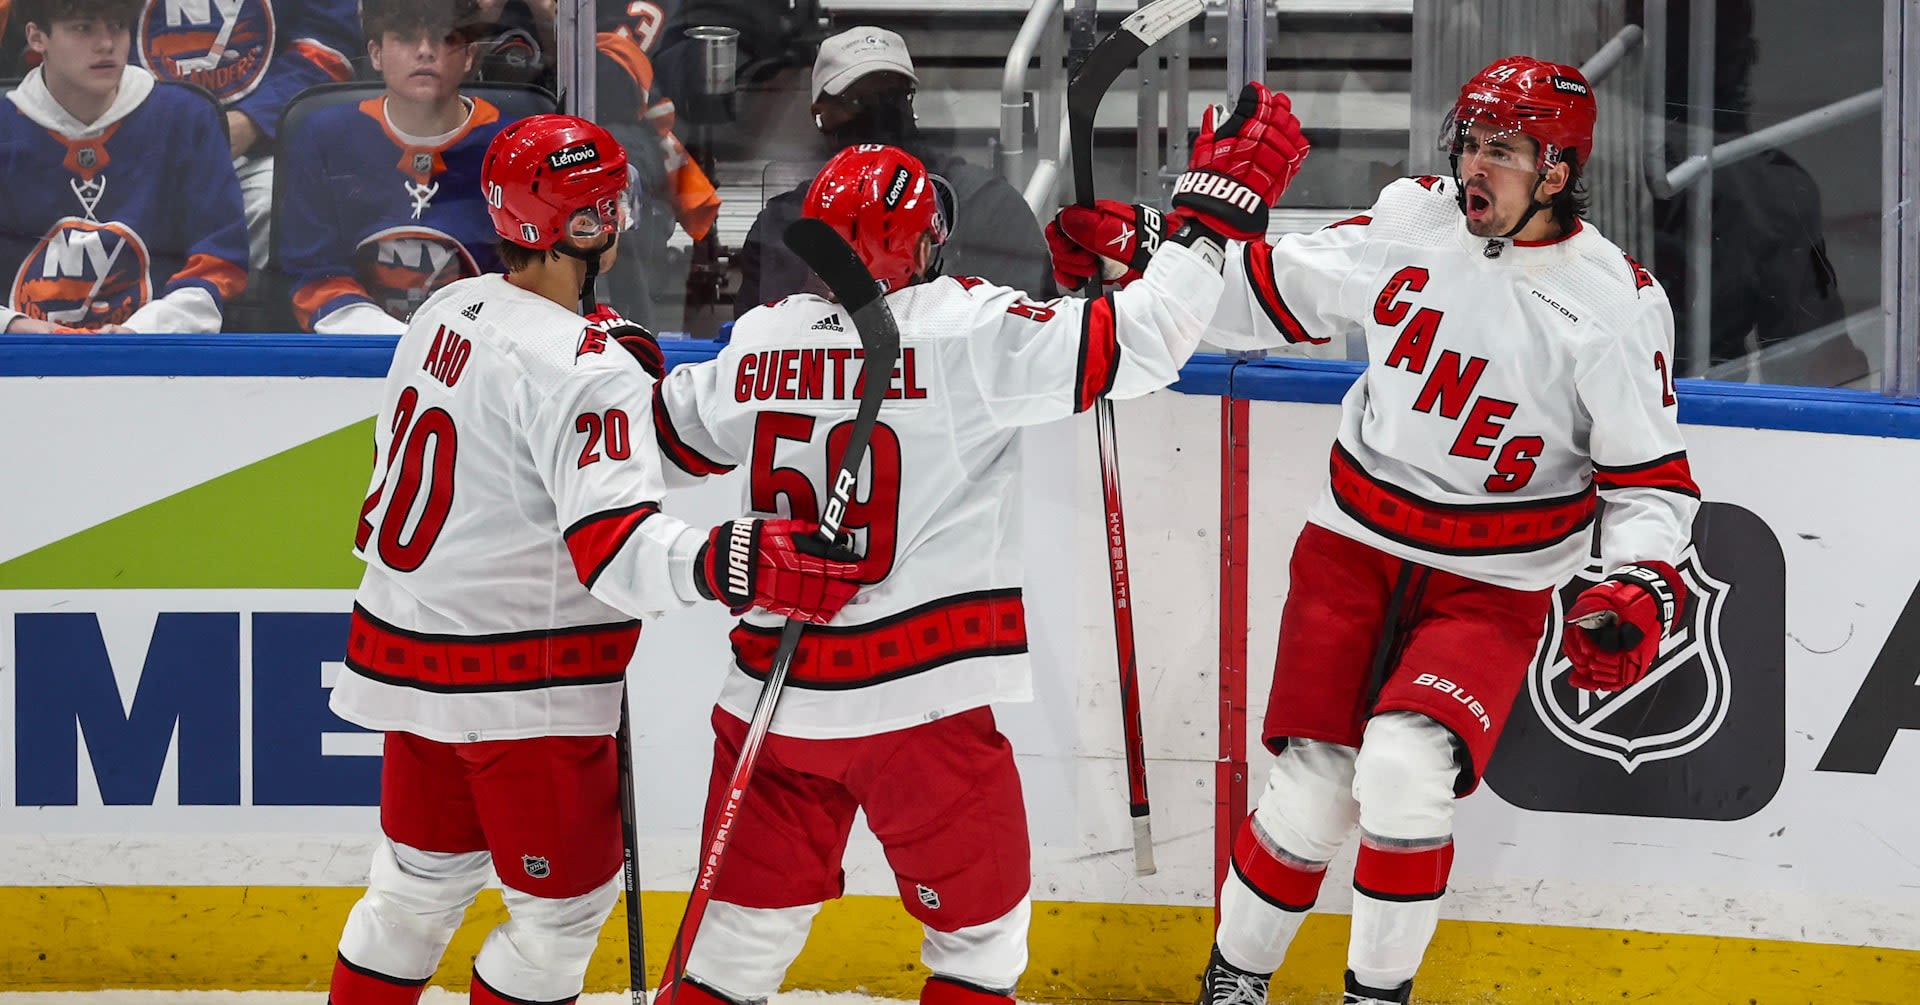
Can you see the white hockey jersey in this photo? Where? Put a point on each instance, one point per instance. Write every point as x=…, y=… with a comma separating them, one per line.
x=513, y=531
x=1508, y=384
x=941, y=628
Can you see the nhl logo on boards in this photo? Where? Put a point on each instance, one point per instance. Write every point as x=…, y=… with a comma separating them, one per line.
x=1606, y=724
x=1703, y=735
x=536, y=866
x=929, y=898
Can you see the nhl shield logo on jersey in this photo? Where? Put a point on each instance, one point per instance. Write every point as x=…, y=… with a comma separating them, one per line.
x=536, y=866
x=221, y=45
x=401, y=267
x=84, y=274
x=1703, y=735
x=1675, y=708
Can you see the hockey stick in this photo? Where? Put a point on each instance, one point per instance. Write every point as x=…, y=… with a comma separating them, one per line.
x=1122, y=49
x=830, y=258
x=630, y=850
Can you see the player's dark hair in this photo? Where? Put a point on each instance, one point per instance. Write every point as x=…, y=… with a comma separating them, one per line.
x=1570, y=203
x=518, y=256
x=414, y=18
x=45, y=12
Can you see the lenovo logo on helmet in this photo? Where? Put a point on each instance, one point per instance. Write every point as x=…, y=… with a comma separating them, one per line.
x=573, y=156
x=1568, y=85
x=898, y=188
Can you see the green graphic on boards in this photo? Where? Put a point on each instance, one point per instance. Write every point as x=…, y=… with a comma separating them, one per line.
x=284, y=522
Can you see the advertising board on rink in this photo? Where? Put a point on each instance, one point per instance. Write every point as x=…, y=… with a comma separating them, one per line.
x=175, y=573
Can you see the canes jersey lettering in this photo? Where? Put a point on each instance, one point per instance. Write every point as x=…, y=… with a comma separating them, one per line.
x=512, y=531
x=133, y=219
x=1508, y=384
x=941, y=628
x=375, y=216
x=254, y=55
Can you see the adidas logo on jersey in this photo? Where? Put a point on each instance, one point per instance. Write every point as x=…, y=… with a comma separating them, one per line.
x=830, y=323
x=472, y=312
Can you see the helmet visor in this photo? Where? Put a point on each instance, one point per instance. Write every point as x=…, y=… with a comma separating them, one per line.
x=1480, y=138
x=604, y=217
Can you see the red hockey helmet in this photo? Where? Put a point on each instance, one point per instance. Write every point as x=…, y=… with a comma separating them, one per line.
x=1550, y=102
x=551, y=176
x=882, y=200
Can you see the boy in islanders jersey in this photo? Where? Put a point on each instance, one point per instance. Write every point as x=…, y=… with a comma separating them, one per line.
x=887, y=709
x=123, y=213
x=254, y=55
x=383, y=202
x=512, y=536
x=1519, y=375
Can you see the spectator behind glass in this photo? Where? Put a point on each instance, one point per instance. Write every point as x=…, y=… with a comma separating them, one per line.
x=1772, y=278
x=383, y=199
x=517, y=46
x=254, y=60
x=122, y=211
x=863, y=87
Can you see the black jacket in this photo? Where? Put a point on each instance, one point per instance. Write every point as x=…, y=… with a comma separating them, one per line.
x=995, y=237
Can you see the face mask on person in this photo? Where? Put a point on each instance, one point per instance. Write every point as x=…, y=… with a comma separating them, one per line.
x=886, y=118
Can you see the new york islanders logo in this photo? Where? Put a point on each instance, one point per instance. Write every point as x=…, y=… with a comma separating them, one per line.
x=221, y=45
x=402, y=266
x=84, y=274
x=1690, y=680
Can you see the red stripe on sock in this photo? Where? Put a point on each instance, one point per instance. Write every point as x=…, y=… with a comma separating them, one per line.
x=357, y=985
x=1286, y=885
x=1402, y=873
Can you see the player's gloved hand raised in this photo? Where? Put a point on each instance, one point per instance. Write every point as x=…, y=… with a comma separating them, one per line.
x=780, y=566
x=1241, y=163
x=1614, y=628
x=634, y=338
x=1110, y=238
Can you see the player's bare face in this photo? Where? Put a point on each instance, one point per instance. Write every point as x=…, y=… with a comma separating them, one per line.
x=1498, y=171
x=82, y=57
x=422, y=68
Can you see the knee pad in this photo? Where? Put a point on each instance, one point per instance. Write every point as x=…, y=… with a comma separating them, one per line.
x=988, y=958
x=1403, y=778
x=1307, y=809
x=414, y=902
x=743, y=952
x=541, y=953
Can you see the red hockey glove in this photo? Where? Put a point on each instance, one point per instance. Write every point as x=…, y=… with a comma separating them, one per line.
x=632, y=337
x=1113, y=238
x=780, y=566
x=1241, y=163
x=1615, y=627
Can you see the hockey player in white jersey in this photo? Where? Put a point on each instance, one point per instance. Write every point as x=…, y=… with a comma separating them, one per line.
x=513, y=536
x=1519, y=375
x=887, y=708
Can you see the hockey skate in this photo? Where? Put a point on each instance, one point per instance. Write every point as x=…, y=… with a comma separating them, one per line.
x=1226, y=984
x=1360, y=994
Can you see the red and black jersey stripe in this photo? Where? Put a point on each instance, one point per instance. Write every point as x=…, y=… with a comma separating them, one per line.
x=1670, y=473
x=675, y=448
x=1451, y=528
x=1266, y=292
x=594, y=540
x=509, y=661
x=1099, y=353
x=932, y=635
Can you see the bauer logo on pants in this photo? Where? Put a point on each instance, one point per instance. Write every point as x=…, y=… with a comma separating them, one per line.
x=1703, y=735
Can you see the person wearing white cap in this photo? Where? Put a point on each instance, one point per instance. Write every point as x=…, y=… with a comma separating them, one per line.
x=863, y=90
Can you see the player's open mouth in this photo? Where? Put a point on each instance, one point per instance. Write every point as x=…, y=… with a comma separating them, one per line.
x=1477, y=205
